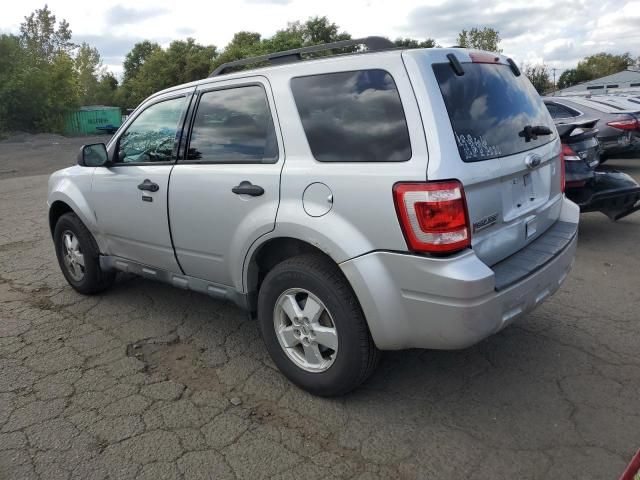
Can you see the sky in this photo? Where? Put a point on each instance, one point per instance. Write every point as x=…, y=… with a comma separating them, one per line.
x=555, y=32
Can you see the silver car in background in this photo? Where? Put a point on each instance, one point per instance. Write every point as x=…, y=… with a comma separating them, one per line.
x=354, y=203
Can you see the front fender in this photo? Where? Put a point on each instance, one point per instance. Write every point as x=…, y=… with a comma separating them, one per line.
x=72, y=187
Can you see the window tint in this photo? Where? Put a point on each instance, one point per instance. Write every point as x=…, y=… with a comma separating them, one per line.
x=152, y=135
x=233, y=126
x=557, y=111
x=595, y=87
x=352, y=117
x=561, y=111
x=489, y=107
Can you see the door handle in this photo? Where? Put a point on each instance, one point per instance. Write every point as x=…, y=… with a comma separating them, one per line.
x=247, y=188
x=149, y=186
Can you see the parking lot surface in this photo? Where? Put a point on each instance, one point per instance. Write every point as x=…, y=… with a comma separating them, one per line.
x=150, y=382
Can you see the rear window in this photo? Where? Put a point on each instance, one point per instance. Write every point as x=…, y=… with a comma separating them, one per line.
x=489, y=107
x=560, y=111
x=352, y=116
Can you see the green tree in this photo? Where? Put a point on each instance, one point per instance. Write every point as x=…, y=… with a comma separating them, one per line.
x=88, y=65
x=43, y=38
x=570, y=77
x=595, y=66
x=486, y=38
x=12, y=61
x=38, y=81
x=601, y=64
x=413, y=43
x=189, y=61
x=314, y=31
x=318, y=30
x=106, y=90
x=286, y=39
x=62, y=94
x=183, y=61
x=136, y=58
x=539, y=77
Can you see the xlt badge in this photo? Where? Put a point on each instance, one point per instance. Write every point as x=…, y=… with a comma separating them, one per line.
x=485, y=222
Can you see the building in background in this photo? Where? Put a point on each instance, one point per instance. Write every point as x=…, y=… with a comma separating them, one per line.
x=627, y=81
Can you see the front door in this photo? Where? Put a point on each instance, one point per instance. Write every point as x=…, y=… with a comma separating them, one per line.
x=130, y=197
x=225, y=193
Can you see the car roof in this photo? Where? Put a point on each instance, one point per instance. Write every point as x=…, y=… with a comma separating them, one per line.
x=630, y=103
x=436, y=54
x=601, y=103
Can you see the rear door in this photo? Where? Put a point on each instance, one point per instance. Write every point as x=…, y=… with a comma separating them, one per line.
x=496, y=136
x=225, y=193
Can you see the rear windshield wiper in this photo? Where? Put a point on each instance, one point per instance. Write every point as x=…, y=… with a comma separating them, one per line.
x=531, y=132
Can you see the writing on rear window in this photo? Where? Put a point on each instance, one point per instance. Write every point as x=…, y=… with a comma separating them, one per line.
x=476, y=147
x=489, y=108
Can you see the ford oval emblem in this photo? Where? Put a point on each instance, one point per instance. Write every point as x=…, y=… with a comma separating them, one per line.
x=533, y=160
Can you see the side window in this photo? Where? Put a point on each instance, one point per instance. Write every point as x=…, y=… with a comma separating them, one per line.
x=233, y=125
x=152, y=136
x=557, y=111
x=352, y=116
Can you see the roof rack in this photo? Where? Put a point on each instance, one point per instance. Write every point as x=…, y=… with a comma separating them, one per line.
x=295, y=55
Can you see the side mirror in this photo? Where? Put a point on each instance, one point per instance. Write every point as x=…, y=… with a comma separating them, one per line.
x=94, y=155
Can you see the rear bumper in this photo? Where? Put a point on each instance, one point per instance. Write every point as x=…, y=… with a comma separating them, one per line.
x=448, y=303
x=611, y=192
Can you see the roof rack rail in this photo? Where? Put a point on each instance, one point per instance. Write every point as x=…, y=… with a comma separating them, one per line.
x=295, y=55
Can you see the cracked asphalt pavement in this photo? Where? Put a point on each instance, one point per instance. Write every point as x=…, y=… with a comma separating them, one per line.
x=150, y=382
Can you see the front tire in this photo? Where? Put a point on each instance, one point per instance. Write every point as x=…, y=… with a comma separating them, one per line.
x=79, y=257
x=313, y=326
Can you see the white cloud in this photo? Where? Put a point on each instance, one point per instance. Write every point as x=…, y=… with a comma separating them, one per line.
x=558, y=33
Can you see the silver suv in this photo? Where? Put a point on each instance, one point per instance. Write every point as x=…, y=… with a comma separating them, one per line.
x=371, y=201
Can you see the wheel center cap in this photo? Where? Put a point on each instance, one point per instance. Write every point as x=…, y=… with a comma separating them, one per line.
x=305, y=330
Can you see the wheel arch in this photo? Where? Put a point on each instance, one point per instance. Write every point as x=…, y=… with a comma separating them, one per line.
x=61, y=203
x=267, y=255
x=56, y=210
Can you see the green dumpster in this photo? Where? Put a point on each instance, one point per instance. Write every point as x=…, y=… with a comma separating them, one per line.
x=93, y=119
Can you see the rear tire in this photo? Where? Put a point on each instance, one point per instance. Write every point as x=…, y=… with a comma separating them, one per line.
x=344, y=353
x=79, y=257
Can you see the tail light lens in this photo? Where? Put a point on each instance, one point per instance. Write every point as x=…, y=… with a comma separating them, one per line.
x=576, y=184
x=562, y=167
x=433, y=216
x=569, y=154
x=631, y=124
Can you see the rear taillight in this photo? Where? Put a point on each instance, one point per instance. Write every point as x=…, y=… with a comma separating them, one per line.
x=569, y=154
x=576, y=184
x=433, y=216
x=631, y=124
x=562, y=168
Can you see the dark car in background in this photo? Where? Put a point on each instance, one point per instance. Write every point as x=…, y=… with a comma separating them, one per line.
x=592, y=187
x=618, y=125
x=580, y=150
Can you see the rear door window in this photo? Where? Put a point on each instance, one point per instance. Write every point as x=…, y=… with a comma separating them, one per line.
x=352, y=116
x=489, y=107
x=233, y=125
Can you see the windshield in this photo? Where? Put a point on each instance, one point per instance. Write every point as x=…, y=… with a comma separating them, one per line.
x=489, y=107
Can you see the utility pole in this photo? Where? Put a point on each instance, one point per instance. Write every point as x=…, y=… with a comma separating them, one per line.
x=554, y=78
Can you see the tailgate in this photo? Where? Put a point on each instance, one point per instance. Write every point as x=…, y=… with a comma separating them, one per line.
x=508, y=154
